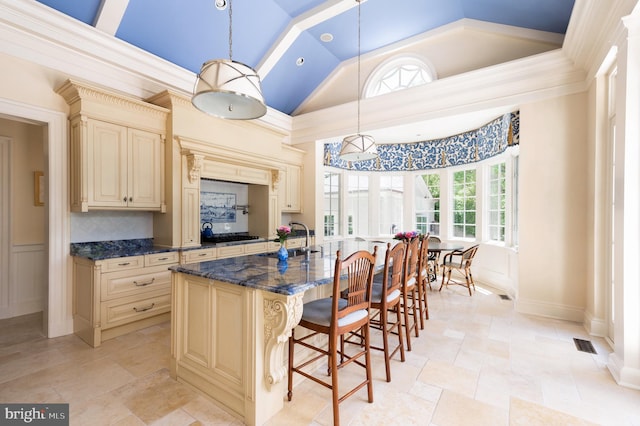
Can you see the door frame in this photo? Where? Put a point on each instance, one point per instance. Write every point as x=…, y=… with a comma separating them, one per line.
x=57, y=318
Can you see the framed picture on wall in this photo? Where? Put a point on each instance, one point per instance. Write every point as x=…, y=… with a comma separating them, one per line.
x=38, y=188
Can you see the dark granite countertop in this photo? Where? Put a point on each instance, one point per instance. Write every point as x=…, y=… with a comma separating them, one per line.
x=100, y=250
x=264, y=272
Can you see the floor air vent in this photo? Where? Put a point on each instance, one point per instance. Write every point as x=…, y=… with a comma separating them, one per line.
x=584, y=346
x=504, y=297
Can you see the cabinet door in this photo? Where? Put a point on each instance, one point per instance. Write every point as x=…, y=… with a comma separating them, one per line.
x=107, y=155
x=291, y=190
x=190, y=217
x=145, y=157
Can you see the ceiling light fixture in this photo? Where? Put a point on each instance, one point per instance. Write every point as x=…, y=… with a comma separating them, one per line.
x=229, y=89
x=358, y=147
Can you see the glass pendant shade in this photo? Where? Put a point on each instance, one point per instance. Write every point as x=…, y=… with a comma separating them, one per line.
x=229, y=89
x=358, y=148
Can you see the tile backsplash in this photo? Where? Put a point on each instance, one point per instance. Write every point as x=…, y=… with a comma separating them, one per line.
x=110, y=225
x=217, y=200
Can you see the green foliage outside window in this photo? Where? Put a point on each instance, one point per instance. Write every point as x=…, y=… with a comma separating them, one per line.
x=464, y=204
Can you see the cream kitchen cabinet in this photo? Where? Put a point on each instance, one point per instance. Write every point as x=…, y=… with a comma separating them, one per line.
x=198, y=255
x=117, y=150
x=112, y=297
x=124, y=168
x=290, y=190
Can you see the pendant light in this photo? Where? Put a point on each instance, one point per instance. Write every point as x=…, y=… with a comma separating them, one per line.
x=358, y=147
x=229, y=89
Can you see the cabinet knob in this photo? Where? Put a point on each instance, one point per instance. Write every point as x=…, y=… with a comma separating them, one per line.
x=130, y=198
x=124, y=199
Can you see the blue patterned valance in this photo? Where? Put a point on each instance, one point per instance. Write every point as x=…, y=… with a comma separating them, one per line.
x=475, y=145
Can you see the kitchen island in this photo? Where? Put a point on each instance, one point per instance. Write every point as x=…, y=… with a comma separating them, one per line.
x=231, y=320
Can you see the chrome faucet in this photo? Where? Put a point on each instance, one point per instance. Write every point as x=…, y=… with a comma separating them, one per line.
x=306, y=229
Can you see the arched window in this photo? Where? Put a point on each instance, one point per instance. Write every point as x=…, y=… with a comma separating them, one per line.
x=398, y=73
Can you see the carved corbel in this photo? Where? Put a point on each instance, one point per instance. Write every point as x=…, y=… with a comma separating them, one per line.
x=280, y=317
x=194, y=166
x=275, y=178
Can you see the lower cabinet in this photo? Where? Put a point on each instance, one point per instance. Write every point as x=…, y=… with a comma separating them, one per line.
x=112, y=297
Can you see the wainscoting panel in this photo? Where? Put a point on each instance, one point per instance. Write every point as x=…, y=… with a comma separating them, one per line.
x=27, y=284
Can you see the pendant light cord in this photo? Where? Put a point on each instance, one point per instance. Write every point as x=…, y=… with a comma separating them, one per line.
x=230, y=32
x=358, y=88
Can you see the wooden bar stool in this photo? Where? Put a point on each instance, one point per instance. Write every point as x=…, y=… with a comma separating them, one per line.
x=385, y=300
x=336, y=317
x=409, y=301
x=423, y=279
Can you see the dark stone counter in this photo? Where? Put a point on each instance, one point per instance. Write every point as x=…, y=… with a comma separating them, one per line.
x=298, y=274
x=100, y=250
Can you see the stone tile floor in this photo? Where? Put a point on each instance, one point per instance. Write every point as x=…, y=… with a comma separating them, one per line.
x=476, y=363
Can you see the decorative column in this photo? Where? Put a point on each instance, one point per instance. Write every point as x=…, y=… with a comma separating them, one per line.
x=624, y=363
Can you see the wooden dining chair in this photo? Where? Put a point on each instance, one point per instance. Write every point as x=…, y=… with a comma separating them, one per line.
x=385, y=301
x=459, y=260
x=336, y=317
x=423, y=279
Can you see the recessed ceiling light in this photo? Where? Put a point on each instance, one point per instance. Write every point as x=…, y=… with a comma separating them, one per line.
x=221, y=4
x=326, y=37
x=300, y=61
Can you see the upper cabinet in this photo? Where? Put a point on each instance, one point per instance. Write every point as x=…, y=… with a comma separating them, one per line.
x=124, y=167
x=117, y=149
x=290, y=190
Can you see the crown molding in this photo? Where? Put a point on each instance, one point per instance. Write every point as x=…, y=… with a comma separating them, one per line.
x=33, y=32
x=594, y=28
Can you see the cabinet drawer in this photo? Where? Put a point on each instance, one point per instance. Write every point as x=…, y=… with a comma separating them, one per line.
x=191, y=256
x=255, y=248
x=295, y=242
x=120, y=284
x=165, y=258
x=126, y=310
x=122, y=263
x=231, y=251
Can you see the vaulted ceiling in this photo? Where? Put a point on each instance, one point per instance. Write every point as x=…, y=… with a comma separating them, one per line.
x=272, y=35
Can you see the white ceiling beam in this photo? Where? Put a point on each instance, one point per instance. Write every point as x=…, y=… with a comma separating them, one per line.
x=110, y=15
x=298, y=25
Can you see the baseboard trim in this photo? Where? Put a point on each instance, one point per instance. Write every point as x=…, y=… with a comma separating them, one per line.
x=594, y=326
x=550, y=310
x=624, y=376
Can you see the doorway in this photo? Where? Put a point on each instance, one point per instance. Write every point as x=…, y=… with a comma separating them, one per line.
x=57, y=316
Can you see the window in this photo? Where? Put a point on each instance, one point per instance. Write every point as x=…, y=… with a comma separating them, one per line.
x=391, y=204
x=398, y=74
x=427, y=203
x=496, y=202
x=357, y=205
x=331, y=204
x=464, y=204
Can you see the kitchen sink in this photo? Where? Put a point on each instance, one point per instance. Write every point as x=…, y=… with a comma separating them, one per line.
x=292, y=253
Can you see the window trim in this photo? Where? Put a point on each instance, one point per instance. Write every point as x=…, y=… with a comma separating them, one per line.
x=393, y=63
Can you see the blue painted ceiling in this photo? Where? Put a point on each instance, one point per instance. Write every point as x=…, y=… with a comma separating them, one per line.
x=191, y=32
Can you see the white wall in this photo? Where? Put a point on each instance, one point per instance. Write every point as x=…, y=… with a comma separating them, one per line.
x=553, y=207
